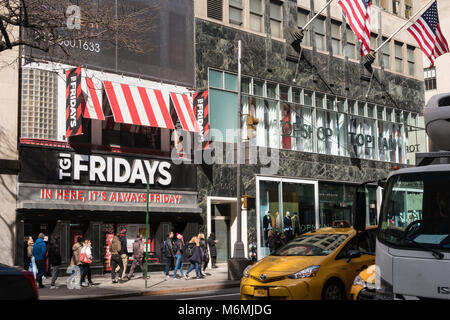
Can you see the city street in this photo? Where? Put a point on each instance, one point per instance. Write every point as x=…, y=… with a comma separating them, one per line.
x=224, y=294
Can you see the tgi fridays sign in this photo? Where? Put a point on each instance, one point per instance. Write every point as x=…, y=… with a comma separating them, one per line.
x=113, y=169
x=108, y=196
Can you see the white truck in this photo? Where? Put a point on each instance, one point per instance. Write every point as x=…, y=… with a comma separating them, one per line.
x=413, y=239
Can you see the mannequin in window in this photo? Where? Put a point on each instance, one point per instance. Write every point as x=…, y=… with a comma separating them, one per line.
x=276, y=221
x=251, y=121
x=295, y=224
x=267, y=224
x=287, y=229
x=286, y=126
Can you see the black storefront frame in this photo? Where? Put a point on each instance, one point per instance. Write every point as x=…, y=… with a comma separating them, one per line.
x=39, y=169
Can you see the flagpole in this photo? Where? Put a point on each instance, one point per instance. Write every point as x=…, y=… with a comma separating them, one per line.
x=317, y=14
x=390, y=38
x=298, y=36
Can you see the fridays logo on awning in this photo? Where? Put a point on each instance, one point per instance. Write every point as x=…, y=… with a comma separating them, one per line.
x=73, y=102
x=201, y=111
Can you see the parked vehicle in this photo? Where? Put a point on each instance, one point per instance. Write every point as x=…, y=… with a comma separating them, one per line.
x=17, y=284
x=317, y=265
x=413, y=239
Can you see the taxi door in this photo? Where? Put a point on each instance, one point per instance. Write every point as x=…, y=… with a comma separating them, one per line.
x=350, y=269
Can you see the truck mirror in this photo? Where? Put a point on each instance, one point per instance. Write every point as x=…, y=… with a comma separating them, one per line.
x=359, y=210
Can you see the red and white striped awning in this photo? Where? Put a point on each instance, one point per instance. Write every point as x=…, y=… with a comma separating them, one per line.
x=92, y=93
x=183, y=107
x=138, y=105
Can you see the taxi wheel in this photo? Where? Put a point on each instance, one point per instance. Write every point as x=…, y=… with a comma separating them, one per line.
x=333, y=290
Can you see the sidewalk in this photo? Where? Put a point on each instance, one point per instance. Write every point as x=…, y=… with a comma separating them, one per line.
x=156, y=285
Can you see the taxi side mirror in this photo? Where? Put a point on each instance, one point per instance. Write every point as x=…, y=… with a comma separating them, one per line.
x=352, y=254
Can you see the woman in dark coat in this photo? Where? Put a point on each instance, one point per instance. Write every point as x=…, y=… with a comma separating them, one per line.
x=205, y=255
x=196, y=258
x=212, y=248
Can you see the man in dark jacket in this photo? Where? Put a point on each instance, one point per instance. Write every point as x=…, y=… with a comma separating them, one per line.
x=212, y=248
x=168, y=252
x=54, y=259
x=123, y=253
x=115, y=249
x=138, y=254
x=40, y=256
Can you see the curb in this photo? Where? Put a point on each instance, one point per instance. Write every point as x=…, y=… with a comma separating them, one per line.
x=235, y=284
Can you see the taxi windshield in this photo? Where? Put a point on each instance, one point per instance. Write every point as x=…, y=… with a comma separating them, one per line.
x=312, y=245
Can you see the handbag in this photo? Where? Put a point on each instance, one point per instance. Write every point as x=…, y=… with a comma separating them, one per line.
x=83, y=257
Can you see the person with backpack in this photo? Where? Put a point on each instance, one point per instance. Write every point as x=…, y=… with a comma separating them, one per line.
x=168, y=252
x=86, y=260
x=195, y=257
x=40, y=255
x=54, y=259
x=138, y=255
x=212, y=248
x=178, y=248
x=205, y=255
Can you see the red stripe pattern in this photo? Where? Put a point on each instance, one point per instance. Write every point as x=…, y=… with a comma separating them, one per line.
x=92, y=93
x=140, y=106
x=357, y=13
x=427, y=32
x=183, y=107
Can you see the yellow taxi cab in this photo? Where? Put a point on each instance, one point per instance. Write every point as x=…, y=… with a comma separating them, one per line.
x=317, y=265
x=363, y=287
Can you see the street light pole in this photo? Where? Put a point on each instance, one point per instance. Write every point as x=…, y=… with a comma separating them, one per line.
x=147, y=233
x=239, y=251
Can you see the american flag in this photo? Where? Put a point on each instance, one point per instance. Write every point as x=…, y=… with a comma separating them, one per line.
x=357, y=13
x=427, y=32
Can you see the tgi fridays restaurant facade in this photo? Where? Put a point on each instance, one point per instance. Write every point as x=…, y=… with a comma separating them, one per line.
x=94, y=184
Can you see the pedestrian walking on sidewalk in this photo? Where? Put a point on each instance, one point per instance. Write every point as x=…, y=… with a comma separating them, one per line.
x=123, y=253
x=86, y=260
x=196, y=257
x=28, y=252
x=54, y=259
x=32, y=261
x=167, y=249
x=138, y=255
x=74, y=269
x=212, y=248
x=179, y=245
x=40, y=254
x=115, y=249
x=205, y=254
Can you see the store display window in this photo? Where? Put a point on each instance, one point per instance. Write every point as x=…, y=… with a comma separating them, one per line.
x=287, y=209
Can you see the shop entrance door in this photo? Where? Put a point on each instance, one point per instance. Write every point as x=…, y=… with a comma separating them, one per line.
x=221, y=228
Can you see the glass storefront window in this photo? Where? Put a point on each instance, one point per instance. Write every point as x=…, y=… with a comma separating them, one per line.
x=285, y=207
x=326, y=127
x=272, y=90
x=284, y=93
x=335, y=203
x=269, y=210
x=351, y=106
x=215, y=79
x=303, y=129
x=286, y=126
x=362, y=138
x=390, y=142
x=340, y=103
x=319, y=99
x=298, y=119
x=296, y=95
x=307, y=98
x=258, y=86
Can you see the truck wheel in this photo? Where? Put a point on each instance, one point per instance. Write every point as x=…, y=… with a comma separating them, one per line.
x=333, y=290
